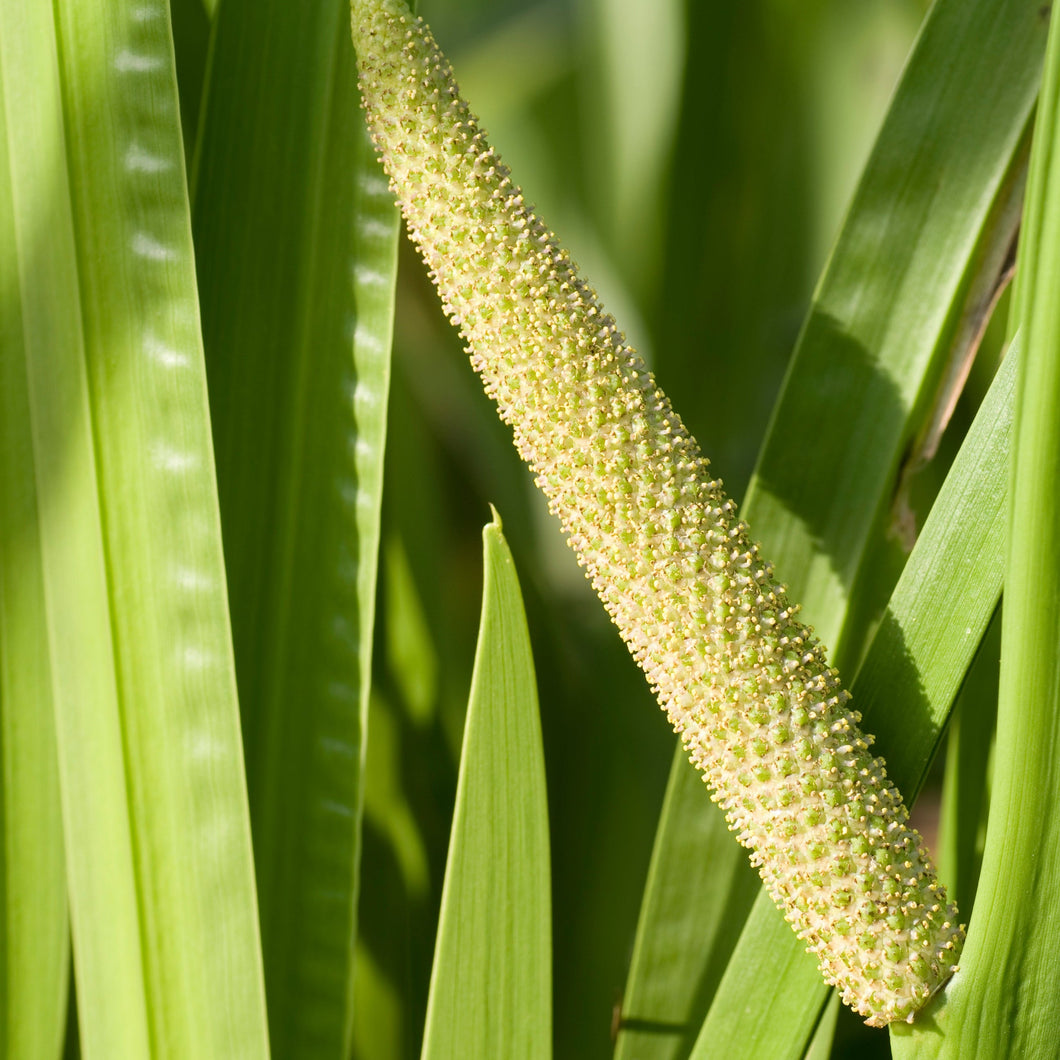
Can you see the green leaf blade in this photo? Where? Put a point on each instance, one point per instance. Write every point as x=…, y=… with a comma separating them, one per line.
x=491, y=984
x=34, y=949
x=1002, y=1002
x=154, y=805
x=888, y=305
x=48, y=434
x=296, y=237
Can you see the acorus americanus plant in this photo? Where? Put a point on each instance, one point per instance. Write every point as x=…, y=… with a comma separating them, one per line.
x=744, y=683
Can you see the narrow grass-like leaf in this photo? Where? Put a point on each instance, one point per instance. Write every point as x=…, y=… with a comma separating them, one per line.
x=296, y=244
x=935, y=200
x=33, y=922
x=863, y=375
x=926, y=641
x=1004, y=1002
x=47, y=431
x=34, y=931
x=946, y=596
x=491, y=984
x=114, y=424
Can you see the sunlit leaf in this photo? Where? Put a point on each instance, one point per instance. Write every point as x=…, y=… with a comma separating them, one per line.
x=118, y=529
x=491, y=985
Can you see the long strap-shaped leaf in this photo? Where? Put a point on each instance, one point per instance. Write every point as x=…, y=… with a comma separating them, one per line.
x=112, y=419
x=1004, y=1003
x=296, y=239
x=934, y=200
x=33, y=922
x=940, y=193
x=491, y=983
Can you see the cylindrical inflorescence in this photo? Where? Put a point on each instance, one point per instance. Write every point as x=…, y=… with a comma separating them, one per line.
x=744, y=683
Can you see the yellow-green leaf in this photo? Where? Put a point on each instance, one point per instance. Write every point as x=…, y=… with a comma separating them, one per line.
x=491, y=984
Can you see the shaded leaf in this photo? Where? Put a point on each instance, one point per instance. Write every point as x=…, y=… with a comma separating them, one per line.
x=296, y=246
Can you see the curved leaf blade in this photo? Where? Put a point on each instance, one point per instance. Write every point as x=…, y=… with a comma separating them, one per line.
x=935, y=200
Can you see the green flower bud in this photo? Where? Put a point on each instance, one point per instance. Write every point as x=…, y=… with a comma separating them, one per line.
x=747, y=686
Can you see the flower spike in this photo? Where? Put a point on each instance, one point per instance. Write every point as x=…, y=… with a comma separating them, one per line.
x=745, y=684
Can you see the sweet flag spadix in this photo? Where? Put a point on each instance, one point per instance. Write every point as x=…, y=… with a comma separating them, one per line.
x=743, y=682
